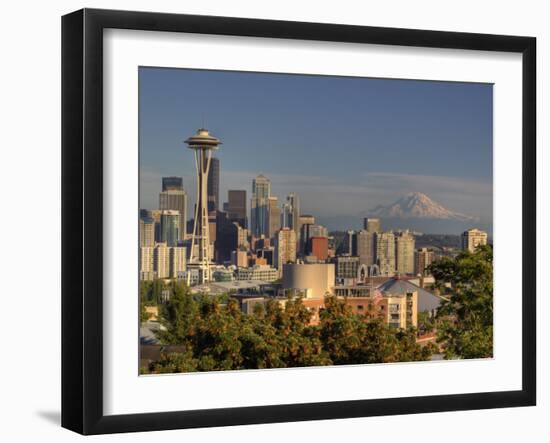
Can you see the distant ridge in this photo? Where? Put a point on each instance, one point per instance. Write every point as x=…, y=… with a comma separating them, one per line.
x=417, y=205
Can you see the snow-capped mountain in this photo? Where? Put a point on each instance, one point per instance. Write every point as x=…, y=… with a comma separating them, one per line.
x=418, y=205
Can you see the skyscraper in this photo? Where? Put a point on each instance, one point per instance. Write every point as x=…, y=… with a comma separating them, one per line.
x=318, y=246
x=162, y=260
x=146, y=263
x=146, y=232
x=317, y=231
x=423, y=258
x=472, y=238
x=169, y=227
x=385, y=253
x=350, y=243
x=227, y=237
x=176, y=200
x=214, y=185
x=309, y=231
x=155, y=215
x=366, y=247
x=172, y=184
x=285, y=247
x=168, y=262
x=259, y=206
x=372, y=225
x=236, y=206
x=178, y=262
x=347, y=266
x=404, y=253
x=305, y=221
x=274, y=216
x=290, y=217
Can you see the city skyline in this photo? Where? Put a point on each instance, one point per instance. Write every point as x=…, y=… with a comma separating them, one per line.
x=164, y=122
x=250, y=276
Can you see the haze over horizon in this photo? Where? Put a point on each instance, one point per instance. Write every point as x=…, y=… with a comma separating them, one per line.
x=344, y=145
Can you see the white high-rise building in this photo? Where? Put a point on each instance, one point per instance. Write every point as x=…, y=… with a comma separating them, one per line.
x=166, y=262
x=146, y=263
x=162, y=260
x=178, y=261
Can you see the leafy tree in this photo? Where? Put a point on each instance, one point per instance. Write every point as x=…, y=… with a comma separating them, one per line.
x=174, y=362
x=426, y=323
x=216, y=335
x=342, y=332
x=300, y=342
x=465, y=321
x=179, y=316
x=356, y=339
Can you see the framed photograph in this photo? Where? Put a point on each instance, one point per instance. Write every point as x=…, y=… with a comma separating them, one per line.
x=269, y=221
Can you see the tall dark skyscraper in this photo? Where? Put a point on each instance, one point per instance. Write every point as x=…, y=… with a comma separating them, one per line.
x=214, y=185
x=172, y=184
x=236, y=206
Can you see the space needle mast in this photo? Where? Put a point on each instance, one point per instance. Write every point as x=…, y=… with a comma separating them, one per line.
x=203, y=144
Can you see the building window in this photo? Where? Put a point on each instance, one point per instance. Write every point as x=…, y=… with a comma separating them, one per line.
x=394, y=307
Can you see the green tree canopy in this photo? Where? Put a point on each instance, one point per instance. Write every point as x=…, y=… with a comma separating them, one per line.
x=216, y=335
x=465, y=320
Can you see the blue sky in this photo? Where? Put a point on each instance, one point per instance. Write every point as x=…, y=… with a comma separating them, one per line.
x=345, y=145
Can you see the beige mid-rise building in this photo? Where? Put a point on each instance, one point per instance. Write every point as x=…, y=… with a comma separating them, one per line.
x=423, y=258
x=146, y=232
x=258, y=272
x=146, y=263
x=385, y=253
x=365, y=241
x=178, y=261
x=162, y=260
x=397, y=311
x=404, y=253
x=285, y=247
x=372, y=224
x=169, y=262
x=472, y=238
x=239, y=258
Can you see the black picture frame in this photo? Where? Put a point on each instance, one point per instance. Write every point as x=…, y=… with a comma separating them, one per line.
x=82, y=218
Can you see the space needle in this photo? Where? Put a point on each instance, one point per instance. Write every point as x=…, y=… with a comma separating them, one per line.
x=203, y=143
